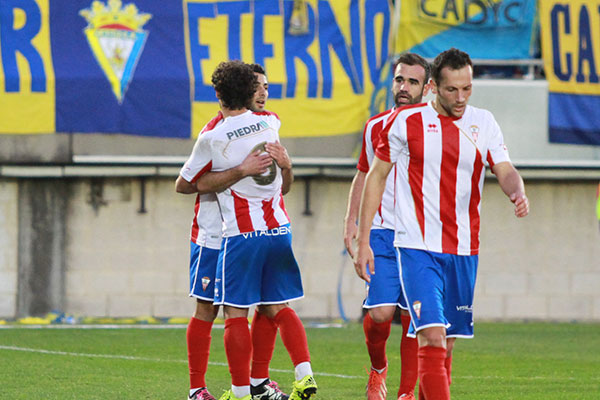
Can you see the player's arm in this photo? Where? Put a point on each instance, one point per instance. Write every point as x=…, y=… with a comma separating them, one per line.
x=283, y=160
x=212, y=182
x=350, y=226
x=369, y=203
x=512, y=185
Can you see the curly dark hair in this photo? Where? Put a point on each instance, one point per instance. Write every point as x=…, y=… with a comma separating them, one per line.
x=257, y=68
x=413, y=59
x=235, y=84
x=452, y=58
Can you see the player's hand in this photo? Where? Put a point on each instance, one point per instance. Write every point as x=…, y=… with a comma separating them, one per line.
x=364, y=258
x=350, y=231
x=279, y=154
x=256, y=163
x=521, y=203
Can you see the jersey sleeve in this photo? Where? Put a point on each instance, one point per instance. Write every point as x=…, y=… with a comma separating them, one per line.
x=363, y=161
x=390, y=138
x=497, y=151
x=199, y=162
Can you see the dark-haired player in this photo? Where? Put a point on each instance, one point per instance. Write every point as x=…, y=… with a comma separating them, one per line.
x=440, y=150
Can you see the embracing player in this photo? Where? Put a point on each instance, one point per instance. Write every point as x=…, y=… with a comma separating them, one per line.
x=205, y=244
x=256, y=265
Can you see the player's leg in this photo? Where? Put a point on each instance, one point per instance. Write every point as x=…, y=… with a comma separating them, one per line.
x=422, y=277
x=281, y=283
x=238, y=288
x=409, y=348
x=203, y=262
x=264, y=333
x=383, y=294
x=460, y=275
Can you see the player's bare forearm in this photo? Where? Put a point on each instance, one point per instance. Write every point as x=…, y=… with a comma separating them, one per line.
x=512, y=185
x=288, y=178
x=184, y=187
x=214, y=182
x=370, y=200
x=350, y=220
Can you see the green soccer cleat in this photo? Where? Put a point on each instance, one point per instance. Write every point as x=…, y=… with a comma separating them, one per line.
x=228, y=395
x=304, y=389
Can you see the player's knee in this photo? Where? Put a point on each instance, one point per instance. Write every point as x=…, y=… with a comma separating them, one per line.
x=271, y=310
x=381, y=314
x=206, y=311
x=433, y=337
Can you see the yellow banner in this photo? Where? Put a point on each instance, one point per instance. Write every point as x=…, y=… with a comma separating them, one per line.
x=27, y=93
x=571, y=45
x=320, y=81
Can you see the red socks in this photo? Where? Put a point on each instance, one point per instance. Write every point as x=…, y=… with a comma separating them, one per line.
x=376, y=335
x=238, y=347
x=264, y=333
x=198, y=344
x=432, y=373
x=408, y=359
x=293, y=335
x=448, y=364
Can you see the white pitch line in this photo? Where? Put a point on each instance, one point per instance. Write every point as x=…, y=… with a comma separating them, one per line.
x=133, y=358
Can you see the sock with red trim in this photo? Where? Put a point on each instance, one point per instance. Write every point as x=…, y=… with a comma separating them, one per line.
x=432, y=373
x=293, y=335
x=238, y=348
x=264, y=333
x=198, y=346
x=409, y=348
x=376, y=335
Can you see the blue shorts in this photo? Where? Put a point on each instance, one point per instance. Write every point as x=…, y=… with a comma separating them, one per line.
x=258, y=268
x=439, y=290
x=385, y=288
x=203, y=266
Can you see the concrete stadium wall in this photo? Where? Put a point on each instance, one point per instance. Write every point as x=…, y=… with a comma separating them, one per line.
x=119, y=261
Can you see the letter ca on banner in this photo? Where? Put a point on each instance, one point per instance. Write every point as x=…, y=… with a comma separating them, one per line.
x=570, y=47
x=320, y=78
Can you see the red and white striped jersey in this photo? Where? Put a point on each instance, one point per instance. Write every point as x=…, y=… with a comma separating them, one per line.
x=255, y=202
x=440, y=171
x=384, y=218
x=207, y=225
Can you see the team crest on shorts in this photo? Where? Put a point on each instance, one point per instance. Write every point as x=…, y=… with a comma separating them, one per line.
x=205, y=282
x=417, y=308
x=116, y=38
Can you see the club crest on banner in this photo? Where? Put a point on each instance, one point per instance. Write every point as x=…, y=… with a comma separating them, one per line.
x=116, y=38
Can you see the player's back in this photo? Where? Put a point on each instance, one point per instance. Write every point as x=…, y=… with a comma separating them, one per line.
x=254, y=202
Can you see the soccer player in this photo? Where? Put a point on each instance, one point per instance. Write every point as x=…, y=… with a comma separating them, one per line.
x=256, y=265
x=440, y=150
x=384, y=291
x=205, y=245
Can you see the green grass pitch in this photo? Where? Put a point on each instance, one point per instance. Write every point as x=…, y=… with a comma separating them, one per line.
x=504, y=361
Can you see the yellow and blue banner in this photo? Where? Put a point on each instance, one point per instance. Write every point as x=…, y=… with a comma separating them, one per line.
x=486, y=29
x=143, y=67
x=571, y=51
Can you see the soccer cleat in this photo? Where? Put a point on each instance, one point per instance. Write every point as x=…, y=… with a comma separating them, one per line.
x=407, y=396
x=376, y=389
x=268, y=390
x=202, y=394
x=304, y=388
x=228, y=395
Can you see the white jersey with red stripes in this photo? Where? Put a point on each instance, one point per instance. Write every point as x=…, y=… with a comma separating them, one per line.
x=255, y=202
x=384, y=218
x=207, y=225
x=440, y=171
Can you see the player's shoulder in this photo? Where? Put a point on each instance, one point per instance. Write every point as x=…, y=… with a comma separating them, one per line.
x=266, y=113
x=213, y=123
x=402, y=113
x=380, y=116
x=479, y=113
